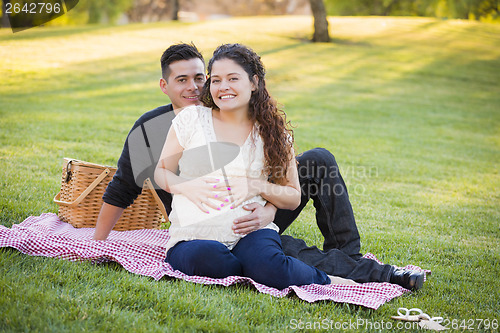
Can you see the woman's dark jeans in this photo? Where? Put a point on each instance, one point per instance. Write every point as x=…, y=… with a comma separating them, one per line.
x=258, y=255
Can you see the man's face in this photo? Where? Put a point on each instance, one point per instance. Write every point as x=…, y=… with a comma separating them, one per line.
x=184, y=82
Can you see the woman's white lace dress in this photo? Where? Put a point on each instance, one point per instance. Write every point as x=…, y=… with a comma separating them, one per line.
x=194, y=129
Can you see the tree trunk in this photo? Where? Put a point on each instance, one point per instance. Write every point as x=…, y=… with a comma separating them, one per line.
x=320, y=22
x=175, y=10
x=5, y=18
x=388, y=8
x=149, y=10
x=95, y=13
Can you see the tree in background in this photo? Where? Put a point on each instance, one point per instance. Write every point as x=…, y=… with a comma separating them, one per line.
x=462, y=9
x=469, y=9
x=5, y=18
x=149, y=10
x=155, y=10
x=97, y=11
x=107, y=11
x=175, y=9
x=321, y=33
x=278, y=7
x=489, y=9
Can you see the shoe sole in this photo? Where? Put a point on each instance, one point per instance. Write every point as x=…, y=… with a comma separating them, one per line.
x=419, y=282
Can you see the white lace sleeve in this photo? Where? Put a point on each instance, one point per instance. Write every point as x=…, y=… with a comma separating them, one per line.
x=184, y=125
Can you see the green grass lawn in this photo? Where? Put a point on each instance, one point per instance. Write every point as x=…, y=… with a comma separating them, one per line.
x=410, y=108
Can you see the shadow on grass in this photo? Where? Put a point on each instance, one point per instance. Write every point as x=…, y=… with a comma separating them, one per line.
x=303, y=39
x=350, y=42
x=284, y=48
x=48, y=32
x=43, y=32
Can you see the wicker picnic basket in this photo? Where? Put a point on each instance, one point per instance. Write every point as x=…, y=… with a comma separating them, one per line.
x=80, y=198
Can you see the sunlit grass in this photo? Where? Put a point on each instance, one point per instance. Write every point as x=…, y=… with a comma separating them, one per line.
x=410, y=108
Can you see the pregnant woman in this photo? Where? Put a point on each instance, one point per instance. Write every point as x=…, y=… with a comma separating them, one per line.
x=241, y=123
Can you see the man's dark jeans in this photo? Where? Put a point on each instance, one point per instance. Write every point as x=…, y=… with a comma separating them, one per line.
x=321, y=181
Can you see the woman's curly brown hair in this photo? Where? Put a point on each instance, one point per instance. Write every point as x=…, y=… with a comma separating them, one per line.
x=274, y=129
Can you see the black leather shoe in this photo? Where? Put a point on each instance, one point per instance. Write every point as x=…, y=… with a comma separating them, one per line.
x=408, y=279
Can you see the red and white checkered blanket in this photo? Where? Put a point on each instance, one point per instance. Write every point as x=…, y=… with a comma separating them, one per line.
x=142, y=252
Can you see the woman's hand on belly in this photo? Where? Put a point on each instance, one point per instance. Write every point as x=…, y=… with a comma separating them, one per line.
x=199, y=191
x=238, y=190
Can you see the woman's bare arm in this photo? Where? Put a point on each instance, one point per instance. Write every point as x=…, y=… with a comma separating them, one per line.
x=198, y=190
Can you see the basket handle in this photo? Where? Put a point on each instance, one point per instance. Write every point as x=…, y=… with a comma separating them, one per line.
x=84, y=193
x=149, y=185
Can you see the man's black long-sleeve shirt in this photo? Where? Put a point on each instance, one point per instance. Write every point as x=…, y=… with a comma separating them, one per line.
x=139, y=157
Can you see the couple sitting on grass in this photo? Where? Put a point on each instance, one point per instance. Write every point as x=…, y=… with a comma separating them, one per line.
x=222, y=157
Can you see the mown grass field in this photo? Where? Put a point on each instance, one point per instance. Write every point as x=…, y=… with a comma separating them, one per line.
x=410, y=107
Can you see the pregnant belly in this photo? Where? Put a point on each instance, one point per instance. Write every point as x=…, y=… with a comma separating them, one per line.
x=186, y=213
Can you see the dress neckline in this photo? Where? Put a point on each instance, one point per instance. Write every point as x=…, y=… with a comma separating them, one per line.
x=214, y=135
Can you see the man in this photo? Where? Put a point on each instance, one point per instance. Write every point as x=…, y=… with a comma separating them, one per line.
x=183, y=76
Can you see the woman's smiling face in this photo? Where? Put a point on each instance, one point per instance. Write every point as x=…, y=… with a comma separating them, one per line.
x=230, y=86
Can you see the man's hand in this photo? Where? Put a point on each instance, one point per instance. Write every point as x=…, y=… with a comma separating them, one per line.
x=259, y=217
x=108, y=216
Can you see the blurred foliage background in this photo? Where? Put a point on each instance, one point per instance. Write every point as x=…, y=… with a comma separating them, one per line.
x=126, y=11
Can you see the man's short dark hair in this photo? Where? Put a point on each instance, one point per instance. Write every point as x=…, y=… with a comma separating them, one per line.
x=178, y=52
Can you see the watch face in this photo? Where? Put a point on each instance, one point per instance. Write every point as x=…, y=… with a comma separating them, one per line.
x=28, y=14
